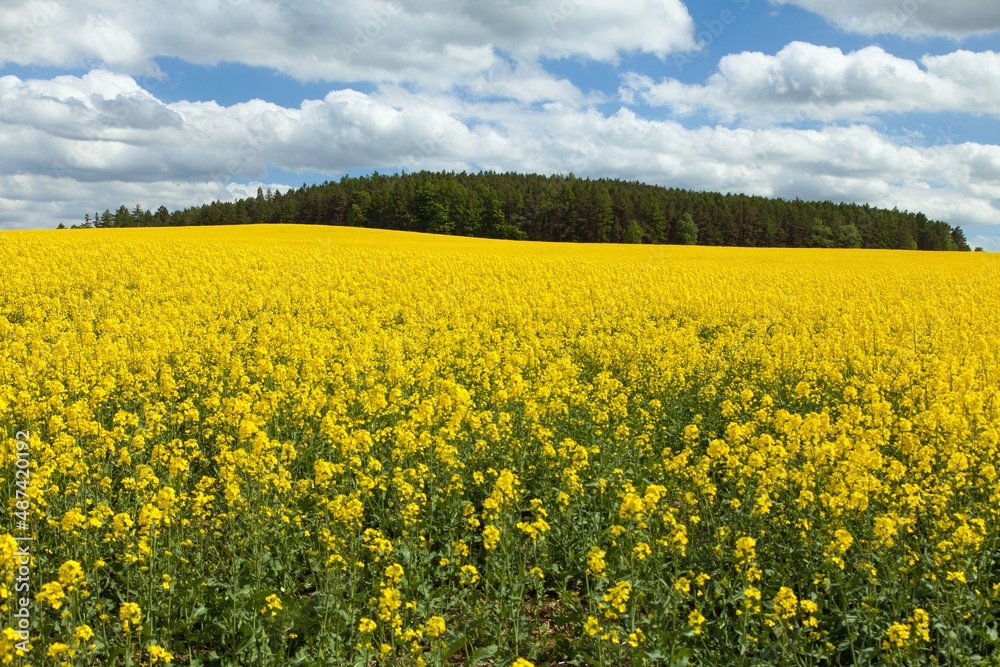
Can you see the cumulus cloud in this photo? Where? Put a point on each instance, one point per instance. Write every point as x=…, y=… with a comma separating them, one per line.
x=439, y=42
x=42, y=201
x=106, y=130
x=100, y=103
x=954, y=18
x=62, y=142
x=809, y=82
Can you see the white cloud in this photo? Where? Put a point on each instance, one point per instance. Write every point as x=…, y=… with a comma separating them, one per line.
x=986, y=237
x=42, y=201
x=100, y=103
x=952, y=18
x=526, y=83
x=808, y=82
x=435, y=42
x=63, y=144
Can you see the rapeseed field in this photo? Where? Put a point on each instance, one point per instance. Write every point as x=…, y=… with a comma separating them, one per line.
x=280, y=445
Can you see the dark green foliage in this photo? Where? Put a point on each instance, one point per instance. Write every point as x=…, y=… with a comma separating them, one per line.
x=958, y=238
x=848, y=236
x=655, y=222
x=687, y=230
x=432, y=214
x=604, y=214
x=634, y=233
x=820, y=234
x=562, y=208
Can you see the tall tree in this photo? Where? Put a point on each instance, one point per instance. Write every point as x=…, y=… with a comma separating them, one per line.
x=603, y=214
x=958, y=238
x=162, y=216
x=656, y=222
x=848, y=236
x=432, y=213
x=633, y=233
x=687, y=230
x=494, y=220
x=820, y=235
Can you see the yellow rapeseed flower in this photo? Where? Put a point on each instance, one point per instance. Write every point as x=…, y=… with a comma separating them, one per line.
x=696, y=620
x=435, y=626
x=130, y=615
x=159, y=654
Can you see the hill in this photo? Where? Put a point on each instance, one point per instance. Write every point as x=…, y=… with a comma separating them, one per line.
x=563, y=208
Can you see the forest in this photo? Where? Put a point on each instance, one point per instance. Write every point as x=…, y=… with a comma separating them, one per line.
x=561, y=208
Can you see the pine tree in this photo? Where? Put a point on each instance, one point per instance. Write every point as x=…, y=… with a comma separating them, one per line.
x=432, y=213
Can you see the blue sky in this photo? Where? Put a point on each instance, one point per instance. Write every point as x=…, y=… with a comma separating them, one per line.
x=890, y=102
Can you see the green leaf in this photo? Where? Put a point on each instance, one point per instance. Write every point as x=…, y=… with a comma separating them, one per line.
x=453, y=648
x=681, y=658
x=484, y=653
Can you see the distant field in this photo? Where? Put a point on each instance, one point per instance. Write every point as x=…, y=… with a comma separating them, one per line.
x=278, y=445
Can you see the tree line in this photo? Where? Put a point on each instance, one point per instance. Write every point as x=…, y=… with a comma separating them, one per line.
x=561, y=208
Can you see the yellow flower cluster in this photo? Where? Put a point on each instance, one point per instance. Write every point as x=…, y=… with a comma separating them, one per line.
x=354, y=446
x=130, y=615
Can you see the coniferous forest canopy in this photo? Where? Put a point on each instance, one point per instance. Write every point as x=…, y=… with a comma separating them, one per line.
x=562, y=208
